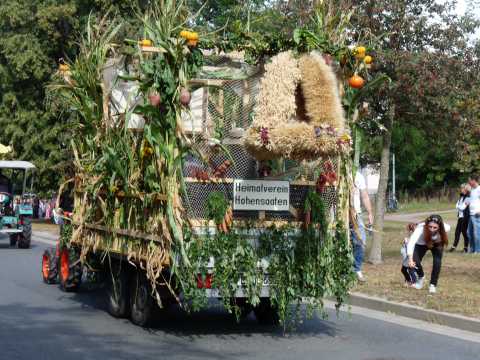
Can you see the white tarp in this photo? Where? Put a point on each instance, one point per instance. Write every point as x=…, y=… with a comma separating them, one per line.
x=192, y=120
x=124, y=94
x=372, y=178
x=17, y=164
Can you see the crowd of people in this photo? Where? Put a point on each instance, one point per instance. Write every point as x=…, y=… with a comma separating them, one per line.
x=427, y=236
x=42, y=208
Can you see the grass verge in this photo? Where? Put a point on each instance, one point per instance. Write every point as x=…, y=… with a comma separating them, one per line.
x=458, y=287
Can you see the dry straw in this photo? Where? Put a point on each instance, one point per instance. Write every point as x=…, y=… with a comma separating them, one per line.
x=320, y=91
x=277, y=131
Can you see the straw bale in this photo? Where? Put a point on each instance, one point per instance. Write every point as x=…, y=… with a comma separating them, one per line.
x=320, y=91
x=276, y=99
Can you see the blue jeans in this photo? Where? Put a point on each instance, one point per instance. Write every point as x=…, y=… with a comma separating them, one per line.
x=474, y=233
x=358, y=244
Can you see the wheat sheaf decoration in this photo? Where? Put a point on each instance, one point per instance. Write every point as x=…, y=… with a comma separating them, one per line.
x=299, y=113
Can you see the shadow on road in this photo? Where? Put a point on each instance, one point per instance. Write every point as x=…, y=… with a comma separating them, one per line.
x=214, y=320
x=29, y=332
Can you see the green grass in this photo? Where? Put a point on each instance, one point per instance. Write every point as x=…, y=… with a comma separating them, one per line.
x=424, y=206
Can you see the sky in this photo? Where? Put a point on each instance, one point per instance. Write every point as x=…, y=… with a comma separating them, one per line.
x=462, y=7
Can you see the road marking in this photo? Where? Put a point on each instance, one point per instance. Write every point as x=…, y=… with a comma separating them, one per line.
x=409, y=322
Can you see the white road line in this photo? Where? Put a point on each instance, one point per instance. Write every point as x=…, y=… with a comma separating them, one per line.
x=409, y=322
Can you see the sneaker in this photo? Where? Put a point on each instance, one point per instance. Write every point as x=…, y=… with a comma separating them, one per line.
x=419, y=283
x=452, y=249
x=360, y=277
x=432, y=289
x=465, y=250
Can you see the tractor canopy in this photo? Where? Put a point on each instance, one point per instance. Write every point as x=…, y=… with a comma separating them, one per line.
x=16, y=164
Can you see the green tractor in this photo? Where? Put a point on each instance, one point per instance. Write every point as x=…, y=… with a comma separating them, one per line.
x=16, y=208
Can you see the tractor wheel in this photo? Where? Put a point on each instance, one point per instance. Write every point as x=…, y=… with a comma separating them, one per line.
x=70, y=274
x=142, y=302
x=117, y=291
x=266, y=313
x=50, y=266
x=13, y=240
x=25, y=237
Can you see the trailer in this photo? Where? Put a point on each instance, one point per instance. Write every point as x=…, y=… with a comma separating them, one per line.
x=184, y=191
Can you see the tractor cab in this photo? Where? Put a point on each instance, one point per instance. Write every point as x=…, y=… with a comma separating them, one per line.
x=16, y=210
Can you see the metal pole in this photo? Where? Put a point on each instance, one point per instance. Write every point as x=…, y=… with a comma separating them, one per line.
x=24, y=182
x=393, y=175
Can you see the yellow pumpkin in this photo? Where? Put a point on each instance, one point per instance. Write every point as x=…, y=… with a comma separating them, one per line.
x=360, y=52
x=184, y=34
x=193, y=36
x=146, y=42
x=192, y=42
x=368, y=60
x=63, y=67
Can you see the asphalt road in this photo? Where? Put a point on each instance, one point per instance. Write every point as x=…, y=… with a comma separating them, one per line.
x=38, y=321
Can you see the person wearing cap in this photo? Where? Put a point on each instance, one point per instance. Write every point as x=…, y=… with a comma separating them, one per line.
x=430, y=235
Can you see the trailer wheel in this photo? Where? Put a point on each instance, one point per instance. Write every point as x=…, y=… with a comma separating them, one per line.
x=25, y=237
x=142, y=302
x=266, y=313
x=49, y=266
x=70, y=270
x=117, y=291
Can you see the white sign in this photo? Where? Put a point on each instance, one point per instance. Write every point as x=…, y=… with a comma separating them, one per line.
x=261, y=195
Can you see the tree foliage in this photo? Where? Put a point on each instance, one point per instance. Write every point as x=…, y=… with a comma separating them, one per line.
x=425, y=48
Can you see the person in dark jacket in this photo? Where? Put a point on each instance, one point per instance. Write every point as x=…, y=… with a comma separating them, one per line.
x=463, y=214
x=5, y=184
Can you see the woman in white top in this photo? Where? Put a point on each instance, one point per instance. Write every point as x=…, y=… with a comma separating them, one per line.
x=463, y=214
x=430, y=235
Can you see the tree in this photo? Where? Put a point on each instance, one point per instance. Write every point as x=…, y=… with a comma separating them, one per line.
x=420, y=93
x=34, y=35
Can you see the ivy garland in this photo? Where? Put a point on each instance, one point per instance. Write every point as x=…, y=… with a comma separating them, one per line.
x=300, y=264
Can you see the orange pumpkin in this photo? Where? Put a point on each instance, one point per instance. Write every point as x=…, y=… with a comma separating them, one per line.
x=356, y=82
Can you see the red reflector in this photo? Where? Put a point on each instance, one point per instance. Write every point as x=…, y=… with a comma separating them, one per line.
x=200, y=281
x=21, y=221
x=208, y=281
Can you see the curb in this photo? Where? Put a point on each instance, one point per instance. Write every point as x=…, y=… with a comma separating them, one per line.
x=415, y=312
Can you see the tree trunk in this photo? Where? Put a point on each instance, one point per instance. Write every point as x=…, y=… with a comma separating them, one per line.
x=375, y=256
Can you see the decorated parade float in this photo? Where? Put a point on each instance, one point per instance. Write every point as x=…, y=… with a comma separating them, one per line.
x=204, y=169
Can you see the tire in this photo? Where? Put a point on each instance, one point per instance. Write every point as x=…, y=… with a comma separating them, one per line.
x=50, y=266
x=13, y=240
x=70, y=270
x=266, y=313
x=25, y=237
x=142, y=302
x=118, y=300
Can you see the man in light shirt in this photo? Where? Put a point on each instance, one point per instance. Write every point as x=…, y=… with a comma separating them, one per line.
x=359, y=240
x=474, y=222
